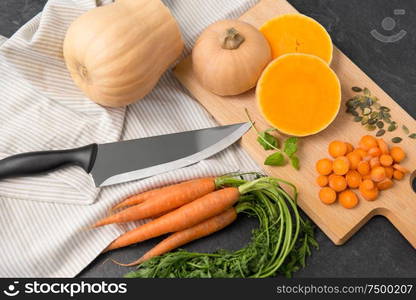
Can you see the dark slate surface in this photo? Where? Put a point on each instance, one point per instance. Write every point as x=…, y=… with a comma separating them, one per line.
x=378, y=249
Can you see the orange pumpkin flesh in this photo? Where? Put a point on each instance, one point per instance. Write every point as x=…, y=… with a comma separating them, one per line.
x=298, y=94
x=297, y=33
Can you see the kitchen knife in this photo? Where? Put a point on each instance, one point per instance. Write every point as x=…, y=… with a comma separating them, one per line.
x=129, y=160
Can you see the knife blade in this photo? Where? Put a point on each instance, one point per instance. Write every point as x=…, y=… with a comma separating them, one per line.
x=129, y=160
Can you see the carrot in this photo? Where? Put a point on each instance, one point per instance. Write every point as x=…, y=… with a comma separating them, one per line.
x=193, y=189
x=184, y=217
x=188, y=235
x=162, y=214
x=162, y=201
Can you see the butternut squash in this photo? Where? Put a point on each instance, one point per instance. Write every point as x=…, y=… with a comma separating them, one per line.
x=116, y=53
x=299, y=94
x=297, y=33
x=229, y=56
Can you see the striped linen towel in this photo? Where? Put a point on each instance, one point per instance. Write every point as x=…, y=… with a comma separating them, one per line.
x=42, y=218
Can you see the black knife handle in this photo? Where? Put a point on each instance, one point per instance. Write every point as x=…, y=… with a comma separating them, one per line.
x=32, y=163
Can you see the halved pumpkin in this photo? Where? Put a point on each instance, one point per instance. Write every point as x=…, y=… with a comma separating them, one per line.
x=297, y=33
x=299, y=94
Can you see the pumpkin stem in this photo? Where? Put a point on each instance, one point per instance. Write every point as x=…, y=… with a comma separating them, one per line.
x=232, y=39
x=83, y=72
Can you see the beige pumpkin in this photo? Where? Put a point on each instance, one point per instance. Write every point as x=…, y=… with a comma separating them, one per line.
x=229, y=57
x=117, y=53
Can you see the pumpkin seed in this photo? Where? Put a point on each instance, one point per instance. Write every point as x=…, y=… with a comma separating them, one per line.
x=370, y=127
x=372, y=121
x=380, y=124
x=358, y=119
x=366, y=92
x=405, y=129
x=369, y=101
x=380, y=132
x=385, y=116
x=356, y=89
x=353, y=103
x=366, y=111
x=375, y=115
x=363, y=105
x=412, y=136
x=350, y=102
x=385, y=108
x=392, y=127
x=396, y=139
x=364, y=120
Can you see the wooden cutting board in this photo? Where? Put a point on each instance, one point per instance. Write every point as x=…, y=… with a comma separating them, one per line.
x=397, y=204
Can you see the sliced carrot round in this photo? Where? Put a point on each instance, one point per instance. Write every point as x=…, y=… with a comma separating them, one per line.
x=385, y=184
x=322, y=180
x=367, y=184
x=324, y=166
x=367, y=142
x=337, y=148
x=353, y=179
x=354, y=159
x=348, y=199
x=397, y=153
x=383, y=146
x=337, y=183
x=369, y=195
x=389, y=172
x=363, y=168
x=350, y=148
x=398, y=175
x=378, y=174
x=341, y=165
x=386, y=160
x=327, y=195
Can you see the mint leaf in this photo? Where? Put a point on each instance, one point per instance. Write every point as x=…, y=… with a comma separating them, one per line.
x=294, y=161
x=290, y=146
x=275, y=159
x=268, y=141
